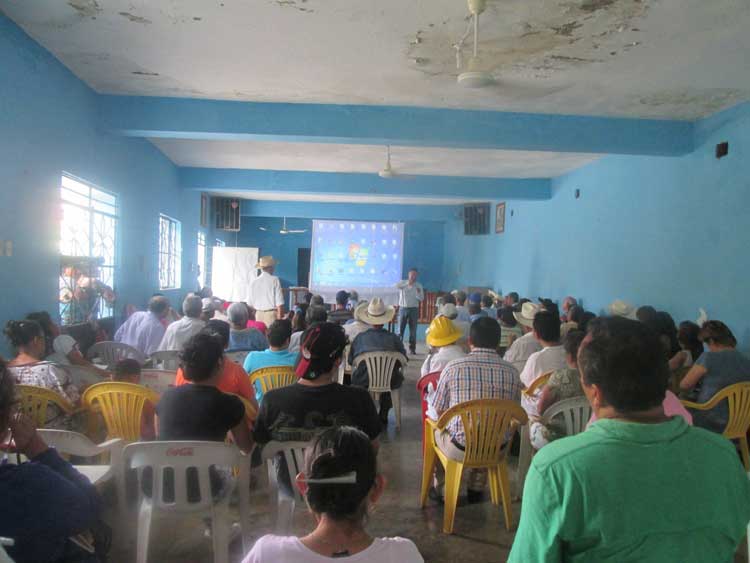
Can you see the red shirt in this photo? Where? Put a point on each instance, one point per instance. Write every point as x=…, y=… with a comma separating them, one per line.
x=234, y=379
x=257, y=324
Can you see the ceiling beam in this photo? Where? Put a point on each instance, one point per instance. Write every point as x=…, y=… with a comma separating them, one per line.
x=184, y=118
x=340, y=183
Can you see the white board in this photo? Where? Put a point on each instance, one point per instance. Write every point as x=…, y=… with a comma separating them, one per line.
x=232, y=271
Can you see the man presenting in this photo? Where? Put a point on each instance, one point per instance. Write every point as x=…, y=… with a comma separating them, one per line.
x=265, y=293
x=410, y=296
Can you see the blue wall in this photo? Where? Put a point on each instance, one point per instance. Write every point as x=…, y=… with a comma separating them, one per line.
x=48, y=124
x=671, y=232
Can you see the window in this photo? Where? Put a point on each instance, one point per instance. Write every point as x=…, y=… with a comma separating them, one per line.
x=169, y=253
x=88, y=238
x=201, y=259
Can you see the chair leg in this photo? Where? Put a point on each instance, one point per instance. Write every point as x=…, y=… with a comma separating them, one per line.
x=453, y=472
x=221, y=525
x=494, y=482
x=144, y=530
x=745, y=453
x=504, y=485
x=428, y=464
x=396, y=397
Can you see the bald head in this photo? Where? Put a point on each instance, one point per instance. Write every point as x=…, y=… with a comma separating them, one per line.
x=159, y=305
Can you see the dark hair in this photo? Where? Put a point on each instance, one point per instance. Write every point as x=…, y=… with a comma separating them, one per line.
x=158, y=304
x=317, y=300
x=299, y=322
x=551, y=306
x=413, y=270
x=625, y=359
x=586, y=318
x=334, y=453
x=487, y=301
x=645, y=314
x=474, y=308
x=520, y=303
x=460, y=296
x=307, y=297
x=342, y=297
x=718, y=333
x=316, y=314
x=688, y=336
x=485, y=333
x=321, y=345
x=201, y=355
x=7, y=396
x=21, y=333
x=279, y=332
x=125, y=368
x=219, y=329
x=449, y=298
x=506, y=316
x=572, y=342
x=663, y=325
x=514, y=296
x=547, y=325
x=45, y=321
x=575, y=314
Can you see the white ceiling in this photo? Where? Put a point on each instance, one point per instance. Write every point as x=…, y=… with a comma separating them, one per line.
x=325, y=157
x=645, y=58
x=345, y=198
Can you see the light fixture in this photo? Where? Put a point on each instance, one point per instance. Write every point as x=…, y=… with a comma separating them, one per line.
x=474, y=77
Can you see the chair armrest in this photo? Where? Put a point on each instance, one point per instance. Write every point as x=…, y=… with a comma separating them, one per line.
x=698, y=406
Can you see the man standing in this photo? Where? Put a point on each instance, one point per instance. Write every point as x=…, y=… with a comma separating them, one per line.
x=179, y=332
x=265, y=292
x=410, y=296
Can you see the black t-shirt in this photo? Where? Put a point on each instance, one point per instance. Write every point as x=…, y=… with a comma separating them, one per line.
x=298, y=412
x=198, y=412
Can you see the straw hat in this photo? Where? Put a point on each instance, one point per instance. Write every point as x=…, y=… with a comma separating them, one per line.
x=527, y=314
x=442, y=332
x=620, y=308
x=266, y=262
x=376, y=312
x=359, y=309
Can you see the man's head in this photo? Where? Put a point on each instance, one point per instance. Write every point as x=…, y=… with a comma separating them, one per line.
x=267, y=264
x=207, y=308
x=484, y=333
x=449, y=310
x=645, y=313
x=511, y=299
x=159, y=306
x=547, y=327
x=342, y=298
x=127, y=370
x=716, y=335
x=487, y=301
x=323, y=348
x=506, y=317
x=192, y=306
x=475, y=299
x=279, y=334
x=317, y=300
x=460, y=297
x=567, y=303
x=316, y=314
x=413, y=275
x=219, y=329
x=622, y=365
x=202, y=357
x=238, y=315
x=474, y=308
x=449, y=298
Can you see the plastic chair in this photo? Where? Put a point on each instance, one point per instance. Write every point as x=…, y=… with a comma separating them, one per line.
x=539, y=382
x=165, y=360
x=121, y=405
x=738, y=401
x=43, y=405
x=179, y=457
x=380, y=366
x=251, y=413
x=422, y=385
x=5, y=542
x=158, y=380
x=73, y=443
x=273, y=377
x=237, y=357
x=112, y=352
x=486, y=423
x=294, y=454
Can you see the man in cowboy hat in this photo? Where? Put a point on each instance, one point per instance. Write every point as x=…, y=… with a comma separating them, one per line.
x=265, y=292
x=357, y=327
x=376, y=339
x=523, y=347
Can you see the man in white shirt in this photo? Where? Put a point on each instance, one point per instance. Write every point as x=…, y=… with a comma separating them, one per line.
x=265, y=293
x=550, y=358
x=144, y=329
x=463, y=310
x=410, y=296
x=523, y=347
x=358, y=326
x=443, y=338
x=179, y=332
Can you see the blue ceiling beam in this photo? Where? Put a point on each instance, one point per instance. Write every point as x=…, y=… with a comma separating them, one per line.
x=183, y=118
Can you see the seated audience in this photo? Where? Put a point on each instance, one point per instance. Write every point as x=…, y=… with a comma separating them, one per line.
x=129, y=371
x=645, y=313
x=299, y=325
x=586, y=318
x=567, y=303
x=610, y=494
x=564, y=383
x=480, y=375
x=144, y=329
x=450, y=311
x=619, y=308
x=691, y=347
x=442, y=337
x=463, y=311
x=718, y=367
x=511, y=300
x=317, y=300
x=242, y=338
x=179, y=332
x=573, y=320
x=550, y=358
x=358, y=326
x=340, y=314
x=353, y=300
x=340, y=506
x=252, y=323
x=277, y=354
x=523, y=347
x=664, y=326
x=509, y=329
x=45, y=500
x=377, y=339
x=314, y=314
x=475, y=304
x=488, y=306
x=208, y=308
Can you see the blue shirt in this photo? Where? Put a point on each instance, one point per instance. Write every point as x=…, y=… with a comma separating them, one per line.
x=266, y=359
x=248, y=339
x=723, y=368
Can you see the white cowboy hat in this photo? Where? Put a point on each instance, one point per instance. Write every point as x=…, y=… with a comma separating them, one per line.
x=448, y=310
x=527, y=314
x=359, y=309
x=266, y=262
x=619, y=308
x=376, y=312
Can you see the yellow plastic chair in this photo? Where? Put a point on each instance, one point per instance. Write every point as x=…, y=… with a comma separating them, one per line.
x=121, y=405
x=538, y=383
x=251, y=413
x=36, y=401
x=738, y=400
x=486, y=423
x=273, y=377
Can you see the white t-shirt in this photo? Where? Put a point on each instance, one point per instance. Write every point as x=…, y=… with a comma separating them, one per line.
x=179, y=332
x=265, y=292
x=289, y=549
x=445, y=354
x=521, y=349
x=547, y=359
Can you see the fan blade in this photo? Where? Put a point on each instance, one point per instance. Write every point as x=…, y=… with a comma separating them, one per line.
x=262, y=228
x=295, y=232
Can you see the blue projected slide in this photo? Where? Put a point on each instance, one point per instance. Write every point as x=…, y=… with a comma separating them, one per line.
x=356, y=255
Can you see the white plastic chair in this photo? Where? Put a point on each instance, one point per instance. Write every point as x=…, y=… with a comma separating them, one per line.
x=179, y=457
x=5, y=542
x=380, y=366
x=165, y=360
x=294, y=454
x=112, y=352
x=73, y=443
x=158, y=380
x=238, y=357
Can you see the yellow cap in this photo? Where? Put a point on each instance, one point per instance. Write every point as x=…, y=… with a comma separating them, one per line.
x=442, y=332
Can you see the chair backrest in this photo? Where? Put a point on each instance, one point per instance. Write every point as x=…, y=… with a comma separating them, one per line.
x=42, y=404
x=74, y=443
x=487, y=424
x=273, y=377
x=121, y=406
x=165, y=359
x=112, y=352
x=177, y=458
x=158, y=380
x=539, y=382
x=251, y=413
x=380, y=366
x=238, y=357
x=575, y=412
x=294, y=454
x=738, y=401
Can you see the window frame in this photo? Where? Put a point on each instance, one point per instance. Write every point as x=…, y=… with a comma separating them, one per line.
x=172, y=253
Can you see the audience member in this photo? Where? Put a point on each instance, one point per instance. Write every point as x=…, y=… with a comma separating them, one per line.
x=633, y=452
x=208, y=308
x=567, y=303
x=645, y=313
x=511, y=300
x=144, y=329
x=442, y=337
x=620, y=308
x=691, y=347
x=314, y=314
x=299, y=325
x=252, y=323
x=128, y=370
x=523, y=347
x=450, y=311
x=663, y=324
x=45, y=500
x=353, y=300
x=277, y=354
x=488, y=306
x=463, y=311
x=718, y=367
x=179, y=332
x=475, y=312
x=480, y=375
x=317, y=301
x=410, y=296
x=340, y=482
x=377, y=339
x=242, y=338
x=357, y=327
x=550, y=358
x=509, y=329
x=340, y=314
x=476, y=299
x=586, y=318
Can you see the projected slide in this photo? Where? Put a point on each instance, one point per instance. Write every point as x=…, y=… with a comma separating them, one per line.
x=356, y=255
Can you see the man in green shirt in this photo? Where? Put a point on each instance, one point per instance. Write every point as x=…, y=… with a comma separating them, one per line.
x=637, y=486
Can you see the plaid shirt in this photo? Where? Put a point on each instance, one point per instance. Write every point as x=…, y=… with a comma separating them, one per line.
x=480, y=375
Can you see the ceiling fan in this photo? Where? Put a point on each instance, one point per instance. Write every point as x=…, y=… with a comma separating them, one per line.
x=284, y=230
x=388, y=173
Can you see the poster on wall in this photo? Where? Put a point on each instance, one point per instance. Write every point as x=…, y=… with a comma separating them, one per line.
x=232, y=271
x=500, y=218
